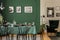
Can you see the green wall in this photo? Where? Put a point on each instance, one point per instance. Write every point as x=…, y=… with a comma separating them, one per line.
x=23, y=17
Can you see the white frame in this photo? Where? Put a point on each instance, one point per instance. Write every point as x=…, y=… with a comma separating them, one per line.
x=28, y=9
x=18, y=9
x=11, y=9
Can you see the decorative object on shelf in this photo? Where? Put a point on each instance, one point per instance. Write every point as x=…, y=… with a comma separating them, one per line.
x=25, y=23
x=5, y=23
x=29, y=24
x=50, y=12
x=1, y=6
x=11, y=9
x=14, y=22
x=18, y=9
x=12, y=25
x=33, y=23
x=28, y=9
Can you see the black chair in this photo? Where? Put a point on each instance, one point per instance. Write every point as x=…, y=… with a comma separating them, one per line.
x=53, y=25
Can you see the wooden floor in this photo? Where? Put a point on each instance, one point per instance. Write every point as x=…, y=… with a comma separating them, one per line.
x=44, y=36
x=21, y=37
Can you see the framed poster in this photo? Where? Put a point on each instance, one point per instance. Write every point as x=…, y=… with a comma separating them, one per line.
x=57, y=14
x=18, y=9
x=50, y=12
x=28, y=9
x=11, y=9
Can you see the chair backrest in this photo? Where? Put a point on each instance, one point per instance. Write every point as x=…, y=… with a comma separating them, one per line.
x=53, y=23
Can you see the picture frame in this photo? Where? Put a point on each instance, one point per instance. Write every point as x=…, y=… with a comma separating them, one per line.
x=11, y=9
x=50, y=12
x=28, y=9
x=57, y=8
x=18, y=9
x=57, y=14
